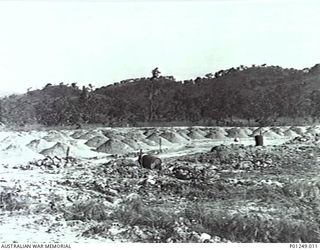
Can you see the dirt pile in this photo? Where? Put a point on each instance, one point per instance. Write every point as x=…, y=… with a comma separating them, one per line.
x=195, y=135
x=271, y=134
x=313, y=130
x=56, y=136
x=200, y=130
x=217, y=133
x=114, y=146
x=154, y=139
x=90, y=134
x=76, y=134
x=59, y=149
x=237, y=133
x=277, y=130
x=183, y=133
x=112, y=134
x=173, y=137
x=15, y=154
x=133, y=143
x=96, y=141
x=38, y=145
x=299, y=130
x=290, y=133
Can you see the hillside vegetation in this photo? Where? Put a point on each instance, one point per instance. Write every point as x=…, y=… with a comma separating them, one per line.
x=256, y=95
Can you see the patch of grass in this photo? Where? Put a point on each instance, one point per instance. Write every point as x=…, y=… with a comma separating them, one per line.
x=11, y=199
x=160, y=220
x=86, y=210
x=251, y=227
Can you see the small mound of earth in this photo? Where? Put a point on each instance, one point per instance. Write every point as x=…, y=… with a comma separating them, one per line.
x=299, y=130
x=78, y=133
x=89, y=135
x=114, y=146
x=132, y=143
x=199, y=130
x=218, y=134
x=54, y=136
x=96, y=141
x=236, y=133
x=149, y=142
x=258, y=131
x=59, y=149
x=38, y=144
x=313, y=130
x=15, y=153
x=277, y=130
x=173, y=137
x=112, y=134
x=247, y=130
x=135, y=135
x=195, y=135
x=149, y=131
x=271, y=134
x=10, y=139
x=156, y=139
x=290, y=133
x=183, y=133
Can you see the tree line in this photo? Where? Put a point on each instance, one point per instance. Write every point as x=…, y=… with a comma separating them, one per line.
x=262, y=95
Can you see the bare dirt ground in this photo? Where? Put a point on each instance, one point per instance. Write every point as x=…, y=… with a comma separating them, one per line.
x=236, y=193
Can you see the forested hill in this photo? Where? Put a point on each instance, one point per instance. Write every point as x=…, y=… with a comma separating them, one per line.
x=256, y=95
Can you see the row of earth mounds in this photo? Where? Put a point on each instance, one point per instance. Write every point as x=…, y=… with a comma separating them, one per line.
x=124, y=140
x=89, y=143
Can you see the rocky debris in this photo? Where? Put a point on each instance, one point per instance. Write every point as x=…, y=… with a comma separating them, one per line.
x=51, y=164
x=85, y=210
x=187, y=171
x=239, y=157
x=124, y=168
x=306, y=139
x=12, y=198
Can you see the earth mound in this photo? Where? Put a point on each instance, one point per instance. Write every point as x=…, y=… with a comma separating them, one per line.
x=59, y=149
x=96, y=141
x=173, y=137
x=114, y=146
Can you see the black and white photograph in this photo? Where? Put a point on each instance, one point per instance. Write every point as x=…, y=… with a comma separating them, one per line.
x=136, y=121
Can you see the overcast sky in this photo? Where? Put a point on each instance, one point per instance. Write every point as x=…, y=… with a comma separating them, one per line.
x=101, y=42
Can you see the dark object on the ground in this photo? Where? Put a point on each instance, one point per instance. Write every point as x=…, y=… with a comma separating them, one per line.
x=259, y=140
x=149, y=161
x=67, y=154
x=217, y=148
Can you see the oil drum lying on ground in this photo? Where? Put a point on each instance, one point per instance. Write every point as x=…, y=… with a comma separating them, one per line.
x=149, y=161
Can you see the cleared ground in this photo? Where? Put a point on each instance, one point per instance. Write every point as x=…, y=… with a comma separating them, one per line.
x=237, y=193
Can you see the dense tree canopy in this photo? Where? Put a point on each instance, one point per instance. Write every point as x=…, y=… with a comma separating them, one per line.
x=252, y=95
